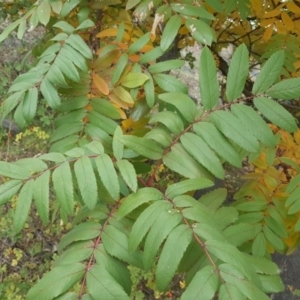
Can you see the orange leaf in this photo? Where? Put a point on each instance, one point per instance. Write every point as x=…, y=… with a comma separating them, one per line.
x=287, y=21
x=291, y=6
x=116, y=100
x=100, y=84
x=267, y=22
x=268, y=33
x=272, y=13
x=108, y=32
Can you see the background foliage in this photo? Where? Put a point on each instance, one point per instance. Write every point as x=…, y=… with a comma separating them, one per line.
x=121, y=119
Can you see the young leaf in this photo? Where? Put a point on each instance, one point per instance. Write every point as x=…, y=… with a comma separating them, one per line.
x=269, y=73
x=23, y=205
x=134, y=200
x=86, y=181
x=197, y=148
x=203, y=286
x=100, y=282
x=128, y=173
x=170, y=119
x=62, y=182
x=231, y=127
x=286, y=89
x=185, y=105
x=176, y=243
x=276, y=113
x=209, y=87
x=63, y=278
x=237, y=73
x=216, y=140
x=108, y=175
x=41, y=196
x=180, y=188
x=170, y=32
x=146, y=148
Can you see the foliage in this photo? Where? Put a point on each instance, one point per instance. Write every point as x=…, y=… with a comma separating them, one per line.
x=121, y=116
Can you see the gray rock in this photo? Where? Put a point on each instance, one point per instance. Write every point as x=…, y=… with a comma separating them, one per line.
x=10, y=126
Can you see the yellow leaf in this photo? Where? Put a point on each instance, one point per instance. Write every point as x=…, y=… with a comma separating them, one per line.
x=267, y=22
x=272, y=13
x=287, y=21
x=268, y=33
x=293, y=7
x=123, y=95
x=280, y=27
x=100, y=84
x=297, y=137
x=116, y=100
x=108, y=32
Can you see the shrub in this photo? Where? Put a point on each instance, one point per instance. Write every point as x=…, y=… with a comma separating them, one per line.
x=122, y=119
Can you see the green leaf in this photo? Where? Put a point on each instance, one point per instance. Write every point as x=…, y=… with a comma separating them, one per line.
x=86, y=181
x=214, y=199
x=8, y=190
x=146, y=148
x=62, y=278
x=160, y=135
x=67, y=67
x=108, y=175
x=271, y=284
x=269, y=73
x=196, y=147
x=239, y=233
x=68, y=6
x=209, y=86
x=101, y=285
x=105, y=123
x=170, y=32
x=179, y=239
x=163, y=226
x=55, y=157
x=76, y=253
x=200, y=31
x=258, y=127
x=76, y=57
x=185, y=105
x=273, y=238
x=41, y=196
x=149, y=91
x=286, y=89
x=44, y=11
x=235, y=277
x=181, y=162
x=79, y=44
x=23, y=205
x=237, y=73
x=123, y=94
x=276, y=113
x=228, y=291
x=132, y=3
x=170, y=119
x=139, y=43
x=115, y=243
x=62, y=182
x=134, y=200
x=30, y=104
x=133, y=80
x=119, y=68
x=231, y=255
x=180, y=188
x=165, y=66
x=203, y=286
x=151, y=55
x=191, y=10
x=13, y=171
x=213, y=137
x=128, y=173
x=118, y=147
x=82, y=232
x=50, y=93
x=169, y=83
x=233, y=128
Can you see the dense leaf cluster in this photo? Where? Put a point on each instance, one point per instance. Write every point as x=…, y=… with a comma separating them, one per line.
x=120, y=110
